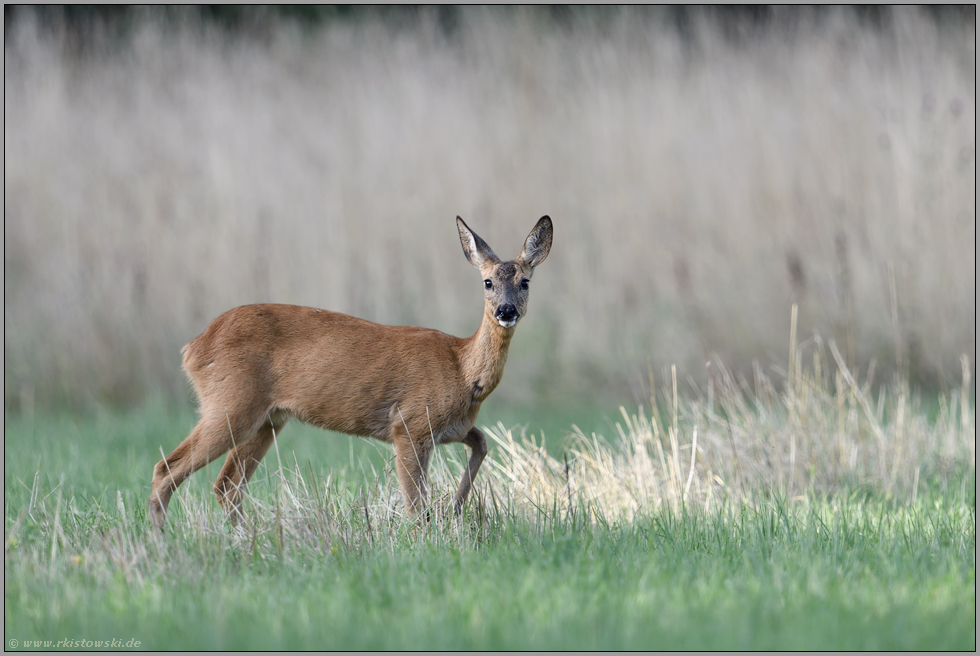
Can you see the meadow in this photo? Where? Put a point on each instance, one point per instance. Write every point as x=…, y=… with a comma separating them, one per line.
x=862, y=535
x=740, y=414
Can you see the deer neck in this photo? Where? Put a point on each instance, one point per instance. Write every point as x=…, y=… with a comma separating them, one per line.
x=483, y=357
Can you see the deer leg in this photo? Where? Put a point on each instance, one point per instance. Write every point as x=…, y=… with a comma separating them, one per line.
x=214, y=435
x=412, y=465
x=477, y=441
x=239, y=466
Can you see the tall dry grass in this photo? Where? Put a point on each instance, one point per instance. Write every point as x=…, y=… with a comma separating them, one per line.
x=700, y=184
x=742, y=439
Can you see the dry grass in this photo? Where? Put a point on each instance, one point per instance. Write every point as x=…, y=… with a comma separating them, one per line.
x=699, y=187
x=736, y=443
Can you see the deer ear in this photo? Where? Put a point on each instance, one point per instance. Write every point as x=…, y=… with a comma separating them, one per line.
x=474, y=248
x=538, y=243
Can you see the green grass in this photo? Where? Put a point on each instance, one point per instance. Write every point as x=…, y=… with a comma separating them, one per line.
x=815, y=572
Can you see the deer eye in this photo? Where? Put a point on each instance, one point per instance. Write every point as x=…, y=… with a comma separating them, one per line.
x=525, y=283
x=488, y=284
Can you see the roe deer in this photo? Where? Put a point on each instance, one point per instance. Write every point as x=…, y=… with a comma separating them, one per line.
x=258, y=365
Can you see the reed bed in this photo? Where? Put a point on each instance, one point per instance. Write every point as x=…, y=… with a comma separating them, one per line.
x=701, y=182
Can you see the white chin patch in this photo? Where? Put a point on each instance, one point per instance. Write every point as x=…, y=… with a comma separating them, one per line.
x=507, y=324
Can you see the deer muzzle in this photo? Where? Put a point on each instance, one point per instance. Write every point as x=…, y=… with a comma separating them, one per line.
x=507, y=315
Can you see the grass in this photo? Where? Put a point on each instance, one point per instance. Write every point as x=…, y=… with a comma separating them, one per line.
x=827, y=575
x=593, y=544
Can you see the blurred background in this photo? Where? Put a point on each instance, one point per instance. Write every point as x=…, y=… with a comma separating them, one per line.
x=705, y=170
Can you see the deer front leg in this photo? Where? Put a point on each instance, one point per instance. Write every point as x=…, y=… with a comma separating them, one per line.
x=412, y=465
x=477, y=441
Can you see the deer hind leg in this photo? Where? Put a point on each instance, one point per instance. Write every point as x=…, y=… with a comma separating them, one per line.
x=214, y=434
x=241, y=463
x=412, y=464
x=477, y=441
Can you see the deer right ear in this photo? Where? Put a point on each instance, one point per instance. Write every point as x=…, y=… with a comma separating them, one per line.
x=538, y=243
x=475, y=249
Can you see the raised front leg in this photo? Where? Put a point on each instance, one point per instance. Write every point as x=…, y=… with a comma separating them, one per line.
x=477, y=441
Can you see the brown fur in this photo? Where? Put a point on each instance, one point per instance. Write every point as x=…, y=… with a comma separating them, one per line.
x=258, y=365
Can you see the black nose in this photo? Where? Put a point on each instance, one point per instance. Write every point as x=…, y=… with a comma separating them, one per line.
x=507, y=313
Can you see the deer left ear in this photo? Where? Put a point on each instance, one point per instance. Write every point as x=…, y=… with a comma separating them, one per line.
x=476, y=250
x=538, y=243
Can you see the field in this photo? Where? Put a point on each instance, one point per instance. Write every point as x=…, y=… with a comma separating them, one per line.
x=578, y=543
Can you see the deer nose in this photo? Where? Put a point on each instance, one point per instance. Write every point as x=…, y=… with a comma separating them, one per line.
x=507, y=313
